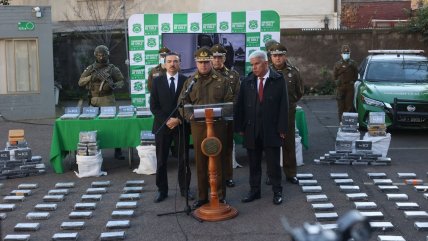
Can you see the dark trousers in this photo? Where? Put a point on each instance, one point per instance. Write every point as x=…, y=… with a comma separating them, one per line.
x=272, y=156
x=229, y=152
x=289, y=164
x=163, y=145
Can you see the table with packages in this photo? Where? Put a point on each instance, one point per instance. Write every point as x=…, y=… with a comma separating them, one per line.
x=121, y=132
x=111, y=133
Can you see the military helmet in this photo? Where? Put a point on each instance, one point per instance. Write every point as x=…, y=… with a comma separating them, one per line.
x=164, y=50
x=102, y=49
x=218, y=50
x=203, y=54
x=269, y=43
x=277, y=48
x=346, y=48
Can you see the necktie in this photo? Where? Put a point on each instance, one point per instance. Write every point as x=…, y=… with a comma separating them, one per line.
x=261, y=89
x=172, y=86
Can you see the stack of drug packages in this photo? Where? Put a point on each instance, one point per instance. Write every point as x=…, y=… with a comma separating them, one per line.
x=89, y=157
x=107, y=112
x=349, y=149
x=88, y=145
x=16, y=160
x=376, y=125
x=71, y=113
x=126, y=111
x=142, y=112
x=89, y=113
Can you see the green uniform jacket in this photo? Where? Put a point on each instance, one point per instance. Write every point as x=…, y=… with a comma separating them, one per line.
x=294, y=83
x=345, y=72
x=154, y=72
x=232, y=78
x=100, y=89
x=208, y=89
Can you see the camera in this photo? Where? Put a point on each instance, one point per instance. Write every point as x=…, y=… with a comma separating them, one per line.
x=350, y=226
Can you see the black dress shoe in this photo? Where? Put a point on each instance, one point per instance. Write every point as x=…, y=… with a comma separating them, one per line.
x=199, y=203
x=230, y=183
x=293, y=180
x=160, y=196
x=251, y=197
x=277, y=198
x=268, y=181
x=190, y=195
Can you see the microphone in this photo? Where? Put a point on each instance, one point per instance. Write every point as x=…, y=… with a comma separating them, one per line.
x=189, y=88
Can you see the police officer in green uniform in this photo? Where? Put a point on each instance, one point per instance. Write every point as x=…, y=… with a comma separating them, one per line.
x=295, y=92
x=345, y=73
x=101, y=78
x=232, y=77
x=269, y=44
x=209, y=88
x=159, y=69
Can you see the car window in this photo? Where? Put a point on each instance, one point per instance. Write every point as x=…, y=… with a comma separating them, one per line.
x=362, y=69
x=398, y=71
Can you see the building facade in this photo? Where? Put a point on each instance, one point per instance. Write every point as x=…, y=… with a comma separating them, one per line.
x=293, y=14
x=26, y=63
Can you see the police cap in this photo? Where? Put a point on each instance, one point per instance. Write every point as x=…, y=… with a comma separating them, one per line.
x=269, y=43
x=346, y=48
x=277, y=48
x=164, y=50
x=203, y=54
x=218, y=50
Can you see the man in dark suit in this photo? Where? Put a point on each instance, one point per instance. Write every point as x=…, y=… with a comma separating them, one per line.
x=163, y=100
x=261, y=115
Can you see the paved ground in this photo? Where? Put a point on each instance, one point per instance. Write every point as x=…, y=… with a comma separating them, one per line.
x=259, y=220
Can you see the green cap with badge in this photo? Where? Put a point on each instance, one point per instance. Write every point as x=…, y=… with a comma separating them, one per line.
x=218, y=50
x=346, y=48
x=277, y=48
x=203, y=54
x=164, y=50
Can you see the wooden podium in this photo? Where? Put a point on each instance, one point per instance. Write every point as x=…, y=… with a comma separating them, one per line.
x=211, y=146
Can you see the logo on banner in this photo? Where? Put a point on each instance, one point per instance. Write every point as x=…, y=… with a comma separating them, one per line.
x=253, y=24
x=250, y=52
x=194, y=27
x=138, y=57
x=166, y=27
x=224, y=25
x=136, y=27
x=267, y=37
x=138, y=86
x=151, y=42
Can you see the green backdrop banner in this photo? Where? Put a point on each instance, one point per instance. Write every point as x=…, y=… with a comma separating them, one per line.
x=145, y=38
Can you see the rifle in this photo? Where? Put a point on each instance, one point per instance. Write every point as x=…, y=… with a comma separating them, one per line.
x=106, y=78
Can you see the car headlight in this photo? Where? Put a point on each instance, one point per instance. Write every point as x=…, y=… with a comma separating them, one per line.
x=372, y=102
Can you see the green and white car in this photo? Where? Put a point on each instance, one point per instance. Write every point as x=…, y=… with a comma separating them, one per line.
x=394, y=82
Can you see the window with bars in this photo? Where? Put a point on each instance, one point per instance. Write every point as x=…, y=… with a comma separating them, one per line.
x=19, y=66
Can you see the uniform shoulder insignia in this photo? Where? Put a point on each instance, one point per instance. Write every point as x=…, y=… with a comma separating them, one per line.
x=214, y=76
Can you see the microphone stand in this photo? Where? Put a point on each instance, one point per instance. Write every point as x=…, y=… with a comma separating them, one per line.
x=187, y=209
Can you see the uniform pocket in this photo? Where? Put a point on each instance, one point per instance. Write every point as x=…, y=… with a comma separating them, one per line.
x=219, y=92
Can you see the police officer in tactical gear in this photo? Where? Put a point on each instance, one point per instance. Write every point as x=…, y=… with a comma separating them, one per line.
x=209, y=88
x=232, y=77
x=345, y=73
x=101, y=78
x=159, y=69
x=295, y=92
